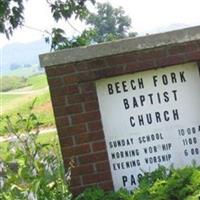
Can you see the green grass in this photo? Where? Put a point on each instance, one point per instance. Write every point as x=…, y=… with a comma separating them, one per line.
x=12, y=82
x=38, y=81
x=42, y=109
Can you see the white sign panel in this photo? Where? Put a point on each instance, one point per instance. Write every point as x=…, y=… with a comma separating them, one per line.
x=150, y=118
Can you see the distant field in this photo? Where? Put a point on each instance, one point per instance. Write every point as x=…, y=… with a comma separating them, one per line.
x=18, y=101
x=38, y=82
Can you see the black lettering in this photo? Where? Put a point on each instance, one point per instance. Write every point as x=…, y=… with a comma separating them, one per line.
x=132, y=122
x=173, y=77
x=149, y=118
x=175, y=114
x=175, y=95
x=182, y=77
x=124, y=86
x=166, y=97
x=155, y=80
x=124, y=180
x=158, y=119
x=135, y=104
x=110, y=89
x=151, y=99
x=142, y=100
x=133, y=85
x=166, y=117
x=133, y=180
x=164, y=79
x=117, y=87
x=141, y=120
x=140, y=83
x=126, y=104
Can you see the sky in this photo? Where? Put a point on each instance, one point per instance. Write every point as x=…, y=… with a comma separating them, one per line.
x=147, y=17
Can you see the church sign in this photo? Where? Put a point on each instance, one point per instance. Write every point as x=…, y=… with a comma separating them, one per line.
x=125, y=107
x=150, y=118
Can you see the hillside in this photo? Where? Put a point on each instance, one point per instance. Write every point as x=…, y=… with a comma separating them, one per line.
x=16, y=56
x=18, y=101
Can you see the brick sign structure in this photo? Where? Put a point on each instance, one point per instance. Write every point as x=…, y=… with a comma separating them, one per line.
x=127, y=105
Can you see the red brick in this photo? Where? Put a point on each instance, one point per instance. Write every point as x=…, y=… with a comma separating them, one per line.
x=95, y=157
x=83, y=138
x=71, y=89
x=87, y=87
x=107, y=186
x=55, y=92
x=85, y=117
x=91, y=106
x=171, y=60
x=75, y=99
x=89, y=137
x=113, y=71
x=76, y=150
x=94, y=126
x=82, y=170
x=73, y=130
x=99, y=146
x=73, y=109
x=103, y=166
x=59, y=70
x=174, y=50
x=55, y=82
x=80, y=98
x=70, y=79
x=86, y=76
x=67, y=141
x=58, y=101
x=146, y=65
x=96, y=178
x=75, y=181
x=195, y=56
x=81, y=66
x=59, y=111
x=122, y=59
x=152, y=54
x=96, y=64
x=62, y=121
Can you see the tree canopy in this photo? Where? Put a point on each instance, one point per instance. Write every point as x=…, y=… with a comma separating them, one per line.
x=107, y=24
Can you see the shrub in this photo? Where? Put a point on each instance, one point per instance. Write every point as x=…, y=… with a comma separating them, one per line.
x=31, y=170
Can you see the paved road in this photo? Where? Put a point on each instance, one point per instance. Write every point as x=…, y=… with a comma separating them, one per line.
x=22, y=92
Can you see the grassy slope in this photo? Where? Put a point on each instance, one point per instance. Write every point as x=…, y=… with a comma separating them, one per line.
x=11, y=104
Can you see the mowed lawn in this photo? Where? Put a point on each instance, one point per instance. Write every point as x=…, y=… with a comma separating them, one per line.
x=18, y=101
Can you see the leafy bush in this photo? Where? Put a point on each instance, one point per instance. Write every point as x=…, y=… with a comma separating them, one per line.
x=162, y=184
x=12, y=82
x=31, y=170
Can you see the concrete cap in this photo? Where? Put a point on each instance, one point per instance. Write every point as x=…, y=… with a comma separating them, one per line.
x=119, y=46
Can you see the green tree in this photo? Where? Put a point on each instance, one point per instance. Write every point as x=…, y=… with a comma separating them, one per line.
x=109, y=23
x=12, y=16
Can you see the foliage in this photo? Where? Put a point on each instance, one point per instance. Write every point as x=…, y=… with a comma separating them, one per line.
x=162, y=184
x=95, y=193
x=109, y=23
x=11, y=15
x=32, y=170
x=12, y=82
